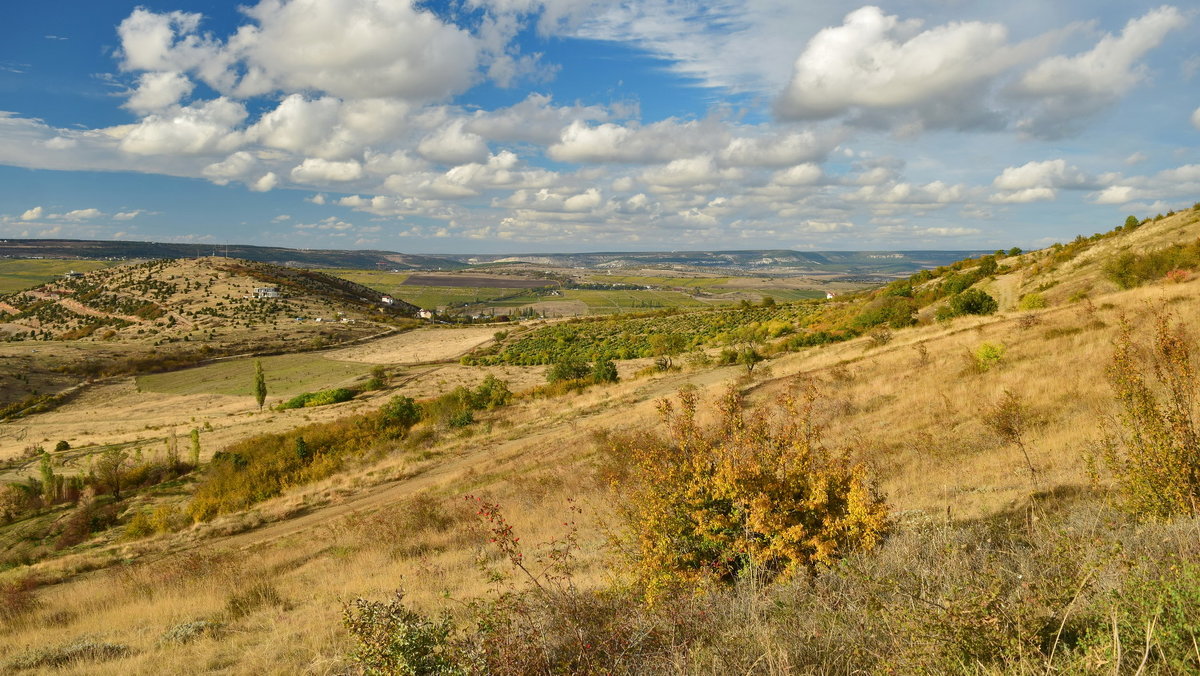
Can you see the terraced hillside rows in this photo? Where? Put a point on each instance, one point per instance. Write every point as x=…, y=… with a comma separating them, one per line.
x=630, y=337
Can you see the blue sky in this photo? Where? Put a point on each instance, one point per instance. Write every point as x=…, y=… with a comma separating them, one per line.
x=575, y=125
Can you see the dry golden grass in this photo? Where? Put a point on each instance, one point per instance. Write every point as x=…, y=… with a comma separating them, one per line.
x=914, y=408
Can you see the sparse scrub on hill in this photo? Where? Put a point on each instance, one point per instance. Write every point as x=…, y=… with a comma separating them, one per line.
x=262, y=467
x=1154, y=453
x=1130, y=269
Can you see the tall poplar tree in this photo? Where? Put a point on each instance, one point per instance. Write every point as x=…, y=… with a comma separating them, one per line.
x=260, y=384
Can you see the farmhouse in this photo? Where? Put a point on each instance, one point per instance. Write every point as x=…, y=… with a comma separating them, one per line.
x=387, y=300
x=425, y=314
x=266, y=292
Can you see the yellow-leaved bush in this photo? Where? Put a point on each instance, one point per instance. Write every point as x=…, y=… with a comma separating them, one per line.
x=756, y=489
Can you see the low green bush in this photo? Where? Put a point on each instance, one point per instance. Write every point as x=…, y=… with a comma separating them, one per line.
x=320, y=398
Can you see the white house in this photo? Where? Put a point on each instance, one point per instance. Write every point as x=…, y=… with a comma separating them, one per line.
x=266, y=292
x=425, y=314
x=828, y=295
x=387, y=300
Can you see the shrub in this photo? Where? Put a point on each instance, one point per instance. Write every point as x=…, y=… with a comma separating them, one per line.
x=492, y=393
x=896, y=312
x=1032, y=301
x=1176, y=276
x=76, y=651
x=320, y=398
x=708, y=503
x=17, y=599
x=1154, y=454
x=399, y=414
x=389, y=638
x=258, y=595
x=972, y=302
x=880, y=336
x=986, y=357
x=604, y=371
x=139, y=526
x=567, y=368
x=461, y=419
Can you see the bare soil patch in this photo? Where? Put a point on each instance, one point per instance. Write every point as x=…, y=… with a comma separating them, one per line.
x=417, y=347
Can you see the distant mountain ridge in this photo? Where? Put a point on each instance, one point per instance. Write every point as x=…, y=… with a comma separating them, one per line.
x=311, y=258
x=773, y=261
x=753, y=261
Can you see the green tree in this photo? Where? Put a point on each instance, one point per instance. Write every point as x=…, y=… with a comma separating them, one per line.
x=666, y=346
x=49, y=492
x=109, y=469
x=303, y=453
x=969, y=302
x=567, y=368
x=492, y=393
x=604, y=371
x=260, y=384
x=400, y=414
x=1131, y=222
x=195, y=435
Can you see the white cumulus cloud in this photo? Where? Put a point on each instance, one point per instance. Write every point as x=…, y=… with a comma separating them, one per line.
x=201, y=128
x=315, y=170
x=453, y=145
x=1068, y=88
x=158, y=90
x=874, y=60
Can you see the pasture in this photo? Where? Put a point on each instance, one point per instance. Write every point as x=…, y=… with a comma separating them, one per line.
x=287, y=375
x=17, y=274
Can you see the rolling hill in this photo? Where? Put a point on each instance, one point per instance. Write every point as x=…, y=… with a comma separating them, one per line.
x=1010, y=547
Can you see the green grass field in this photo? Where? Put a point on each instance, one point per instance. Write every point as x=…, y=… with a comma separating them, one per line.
x=17, y=274
x=683, y=282
x=439, y=296
x=287, y=376
x=380, y=280
x=605, y=302
x=430, y=297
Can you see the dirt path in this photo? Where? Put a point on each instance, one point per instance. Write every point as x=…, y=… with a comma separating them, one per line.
x=79, y=308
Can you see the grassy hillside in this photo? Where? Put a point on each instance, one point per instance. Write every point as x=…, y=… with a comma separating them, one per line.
x=514, y=531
